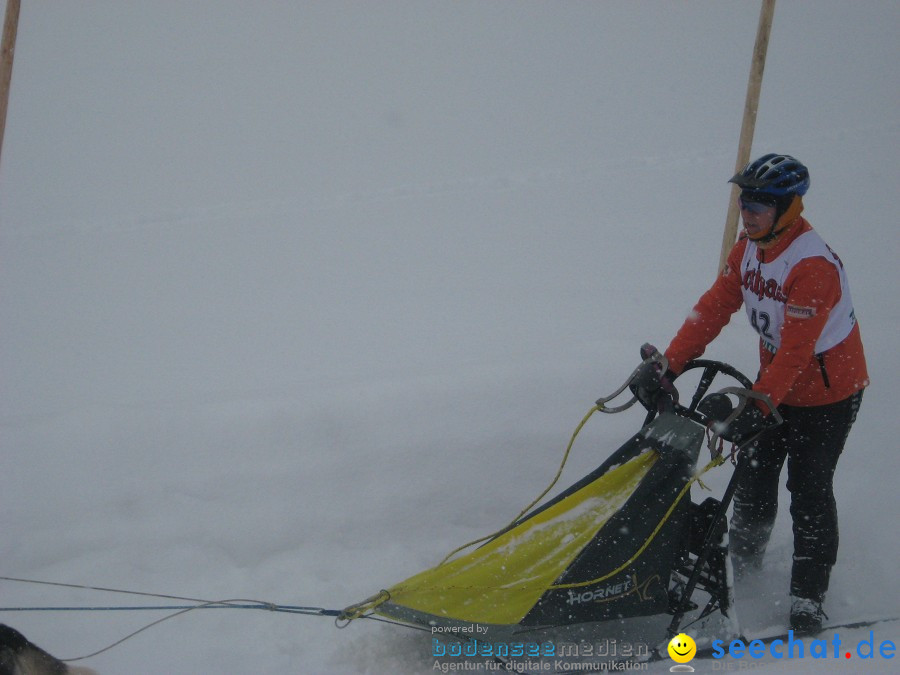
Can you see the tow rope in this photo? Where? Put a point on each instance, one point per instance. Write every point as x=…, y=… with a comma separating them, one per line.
x=175, y=610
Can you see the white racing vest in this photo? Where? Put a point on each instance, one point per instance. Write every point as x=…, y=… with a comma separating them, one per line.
x=767, y=305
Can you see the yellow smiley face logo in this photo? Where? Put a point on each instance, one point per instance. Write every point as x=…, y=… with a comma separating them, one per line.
x=682, y=648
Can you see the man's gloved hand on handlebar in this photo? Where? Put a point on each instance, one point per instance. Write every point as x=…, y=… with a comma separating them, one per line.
x=651, y=385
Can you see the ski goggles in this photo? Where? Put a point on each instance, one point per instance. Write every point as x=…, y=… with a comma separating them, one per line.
x=755, y=205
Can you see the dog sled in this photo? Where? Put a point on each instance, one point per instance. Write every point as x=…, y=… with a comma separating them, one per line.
x=625, y=541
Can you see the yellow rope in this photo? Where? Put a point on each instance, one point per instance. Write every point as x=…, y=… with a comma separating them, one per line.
x=716, y=461
x=562, y=465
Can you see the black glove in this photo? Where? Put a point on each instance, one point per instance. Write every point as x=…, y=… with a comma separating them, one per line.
x=653, y=387
x=750, y=422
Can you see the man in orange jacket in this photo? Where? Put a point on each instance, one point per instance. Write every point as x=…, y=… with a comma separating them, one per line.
x=812, y=367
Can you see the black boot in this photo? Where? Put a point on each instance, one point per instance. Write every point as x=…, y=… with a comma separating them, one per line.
x=809, y=583
x=806, y=616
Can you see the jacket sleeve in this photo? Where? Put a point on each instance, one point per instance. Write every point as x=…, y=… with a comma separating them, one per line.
x=812, y=288
x=711, y=313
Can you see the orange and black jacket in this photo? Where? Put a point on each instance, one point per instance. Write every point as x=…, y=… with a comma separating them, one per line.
x=794, y=374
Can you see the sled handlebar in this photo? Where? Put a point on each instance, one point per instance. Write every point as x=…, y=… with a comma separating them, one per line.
x=655, y=357
x=717, y=419
x=719, y=425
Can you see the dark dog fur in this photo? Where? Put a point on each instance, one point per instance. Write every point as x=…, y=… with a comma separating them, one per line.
x=19, y=656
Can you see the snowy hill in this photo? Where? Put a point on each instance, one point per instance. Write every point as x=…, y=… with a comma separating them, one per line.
x=297, y=297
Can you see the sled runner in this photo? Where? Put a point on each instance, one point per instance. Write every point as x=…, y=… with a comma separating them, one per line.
x=624, y=541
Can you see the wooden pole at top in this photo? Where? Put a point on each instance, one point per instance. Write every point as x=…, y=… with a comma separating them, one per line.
x=10, y=28
x=751, y=104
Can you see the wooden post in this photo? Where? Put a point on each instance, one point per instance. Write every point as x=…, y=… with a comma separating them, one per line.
x=10, y=27
x=751, y=104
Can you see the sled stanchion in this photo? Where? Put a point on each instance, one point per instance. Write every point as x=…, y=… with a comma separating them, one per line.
x=706, y=548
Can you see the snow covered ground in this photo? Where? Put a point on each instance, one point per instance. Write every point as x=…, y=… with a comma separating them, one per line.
x=296, y=297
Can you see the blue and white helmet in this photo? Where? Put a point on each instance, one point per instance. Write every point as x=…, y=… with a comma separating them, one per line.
x=775, y=175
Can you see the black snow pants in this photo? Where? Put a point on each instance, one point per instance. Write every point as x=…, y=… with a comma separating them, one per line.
x=811, y=438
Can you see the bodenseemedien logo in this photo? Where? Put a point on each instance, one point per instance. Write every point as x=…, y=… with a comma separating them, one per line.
x=682, y=649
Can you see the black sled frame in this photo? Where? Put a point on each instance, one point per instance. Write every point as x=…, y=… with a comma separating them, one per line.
x=705, y=561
